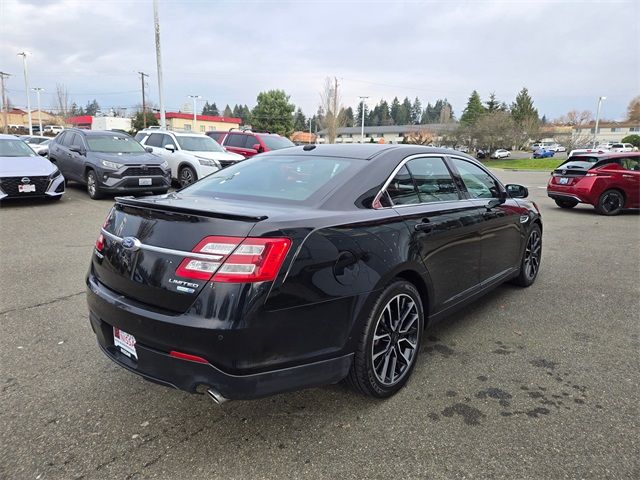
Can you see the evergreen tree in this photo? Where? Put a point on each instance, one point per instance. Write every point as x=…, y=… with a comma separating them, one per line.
x=205, y=108
x=92, y=108
x=493, y=104
x=384, y=114
x=246, y=115
x=349, y=121
x=395, y=111
x=405, y=112
x=543, y=121
x=473, y=111
x=273, y=113
x=213, y=110
x=522, y=109
x=299, y=121
x=416, y=112
x=227, y=111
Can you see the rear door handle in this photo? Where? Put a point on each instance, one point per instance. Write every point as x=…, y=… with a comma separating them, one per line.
x=424, y=226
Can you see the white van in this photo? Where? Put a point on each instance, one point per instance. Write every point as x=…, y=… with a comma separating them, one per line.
x=53, y=129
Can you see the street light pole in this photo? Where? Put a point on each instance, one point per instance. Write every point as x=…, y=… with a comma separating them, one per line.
x=5, y=107
x=26, y=89
x=595, y=131
x=38, y=90
x=362, y=99
x=195, y=119
x=156, y=23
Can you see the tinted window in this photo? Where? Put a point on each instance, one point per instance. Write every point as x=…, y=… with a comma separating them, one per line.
x=433, y=180
x=402, y=190
x=478, y=182
x=237, y=140
x=251, y=142
x=217, y=136
x=76, y=141
x=274, y=142
x=155, y=140
x=289, y=179
x=168, y=140
x=63, y=138
x=139, y=136
x=631, y=163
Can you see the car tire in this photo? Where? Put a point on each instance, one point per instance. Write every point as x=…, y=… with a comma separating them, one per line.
x=611, y=202
x=531, y=256
x=93, y=188
x=186, y=176
x=390, y=342
x=566, y=203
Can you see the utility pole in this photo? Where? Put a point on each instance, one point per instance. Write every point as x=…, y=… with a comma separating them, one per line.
x=5, y=107
x=362, y=99
x=310, y=120
x=595, y=131
x=195, y=120
x=26, y=90
x=38, y=90
x=156, y=22
x=144, y=104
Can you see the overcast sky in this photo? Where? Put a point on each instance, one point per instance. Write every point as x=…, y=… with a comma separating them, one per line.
x=566, y=53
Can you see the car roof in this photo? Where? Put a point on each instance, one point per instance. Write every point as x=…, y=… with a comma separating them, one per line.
x=8, y=136
x=360, y=151
x=92, y=133
x=180, y=134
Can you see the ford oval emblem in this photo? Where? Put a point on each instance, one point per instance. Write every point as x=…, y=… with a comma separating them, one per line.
x=131, y=244
x=25, y=180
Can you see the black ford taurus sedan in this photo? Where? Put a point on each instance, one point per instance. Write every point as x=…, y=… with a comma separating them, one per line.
x=305, y=266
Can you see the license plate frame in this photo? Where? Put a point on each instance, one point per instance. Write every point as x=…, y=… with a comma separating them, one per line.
x=145, y=182
x=26, y=188
x=563, y=181
x=125, y=342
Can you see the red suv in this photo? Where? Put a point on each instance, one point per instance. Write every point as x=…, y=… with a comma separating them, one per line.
x=249, y=143
x=609, y=182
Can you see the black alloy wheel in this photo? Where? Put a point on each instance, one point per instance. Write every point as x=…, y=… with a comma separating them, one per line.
x=610, y=202
x=566, y=203
x=531, y=258
x=390, y=343
x=187, y=176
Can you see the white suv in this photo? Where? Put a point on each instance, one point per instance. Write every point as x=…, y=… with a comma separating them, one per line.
x=191, y=156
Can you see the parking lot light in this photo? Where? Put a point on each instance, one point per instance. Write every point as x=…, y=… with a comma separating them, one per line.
x=595, y=130
x=26, y=89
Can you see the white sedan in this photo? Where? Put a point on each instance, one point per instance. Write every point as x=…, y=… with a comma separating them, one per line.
x=501, y=153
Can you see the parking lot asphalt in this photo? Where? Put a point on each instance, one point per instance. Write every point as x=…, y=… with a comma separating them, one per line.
x=526, y=383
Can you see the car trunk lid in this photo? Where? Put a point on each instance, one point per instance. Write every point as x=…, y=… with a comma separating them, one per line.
x=145, y=241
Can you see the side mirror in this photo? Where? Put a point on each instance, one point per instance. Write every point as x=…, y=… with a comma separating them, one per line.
x=517, y=191
x=149, y=149
x=43, y=153
x=170, y=147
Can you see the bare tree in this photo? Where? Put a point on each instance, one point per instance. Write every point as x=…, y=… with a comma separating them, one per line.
x=633, y=110
x=62, y=99
x=331, y=105
x=575, y=118
x=579, y=122
x=420, y=137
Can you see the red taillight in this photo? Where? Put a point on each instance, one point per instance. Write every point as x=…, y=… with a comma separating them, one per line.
x=233, y=259
x=187, y=356
x=100, y=243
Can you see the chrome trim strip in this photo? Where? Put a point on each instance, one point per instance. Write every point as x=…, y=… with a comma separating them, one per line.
x=397, y=169
x=168, y=251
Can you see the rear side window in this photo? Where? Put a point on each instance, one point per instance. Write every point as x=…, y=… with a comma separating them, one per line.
x=251, y=141
x=237, y=140
x=478, y=182
x=402, y=190
x=63, y=138
x=217, y=136
x=433, y=180
x=631, y=164
x=287, y=179
x=155, y=140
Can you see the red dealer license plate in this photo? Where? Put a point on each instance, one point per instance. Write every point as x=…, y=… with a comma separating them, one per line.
x=125, y=342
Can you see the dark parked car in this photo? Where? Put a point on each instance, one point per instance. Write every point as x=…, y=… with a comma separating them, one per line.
x=304, y=267
x=610, y=182
x=248, y=143
x=108, y=162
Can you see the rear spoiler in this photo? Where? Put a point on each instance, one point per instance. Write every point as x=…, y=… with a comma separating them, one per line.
x=141, y=203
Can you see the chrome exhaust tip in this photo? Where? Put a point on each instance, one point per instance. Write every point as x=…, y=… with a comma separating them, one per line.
x=216, y=397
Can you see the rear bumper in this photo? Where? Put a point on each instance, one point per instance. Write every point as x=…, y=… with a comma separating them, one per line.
x=187, y=375
x=281, y=358
x=570, y=192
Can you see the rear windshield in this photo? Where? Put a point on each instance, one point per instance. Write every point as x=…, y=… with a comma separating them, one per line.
x=113, y=144
x=276, y=143
x=577, y=165
x=281, y=179
x=198, y=144
x=15, y=148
